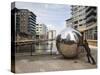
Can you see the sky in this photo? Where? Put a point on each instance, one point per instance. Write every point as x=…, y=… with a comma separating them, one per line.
x=52, y=15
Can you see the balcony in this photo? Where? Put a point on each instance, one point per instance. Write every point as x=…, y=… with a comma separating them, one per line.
x=88, y=8
x=91, y=25
x=92, y=18
x=82, y=28
x=90, y=11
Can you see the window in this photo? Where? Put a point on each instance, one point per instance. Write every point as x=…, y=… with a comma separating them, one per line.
x=80, y=20
x=75, y=26
x=75, y=22
x=80, y=25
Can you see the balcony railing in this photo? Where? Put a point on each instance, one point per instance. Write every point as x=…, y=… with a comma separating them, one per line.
x=90, y=11
x=82, y=28
x=91, y=18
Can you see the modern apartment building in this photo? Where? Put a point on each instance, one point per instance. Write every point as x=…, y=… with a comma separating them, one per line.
x=41, y=31
x=32, y=23
x=84, y=19
x=78, y=17
x=91, y=23
x=25, y=23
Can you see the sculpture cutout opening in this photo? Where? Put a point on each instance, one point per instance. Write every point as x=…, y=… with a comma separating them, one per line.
x=67, y=42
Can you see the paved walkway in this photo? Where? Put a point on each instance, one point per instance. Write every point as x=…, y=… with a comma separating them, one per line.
x=44, y=63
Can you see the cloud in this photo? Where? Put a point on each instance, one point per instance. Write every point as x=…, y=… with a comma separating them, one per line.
x=54, y=6
x=52, y=15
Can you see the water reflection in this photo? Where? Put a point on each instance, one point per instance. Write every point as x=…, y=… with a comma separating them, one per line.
x=70, y=34
x=41, y=47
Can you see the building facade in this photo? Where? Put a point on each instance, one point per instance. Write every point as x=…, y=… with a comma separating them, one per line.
x=32, y=23
x=84, y=19
x=41, y=31
x=78, y=17
x=91, y=23
x=25, y=22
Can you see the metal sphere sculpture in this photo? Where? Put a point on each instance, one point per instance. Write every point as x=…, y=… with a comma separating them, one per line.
x=67, y=42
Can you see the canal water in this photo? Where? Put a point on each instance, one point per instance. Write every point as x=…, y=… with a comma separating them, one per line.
x=48, y=47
